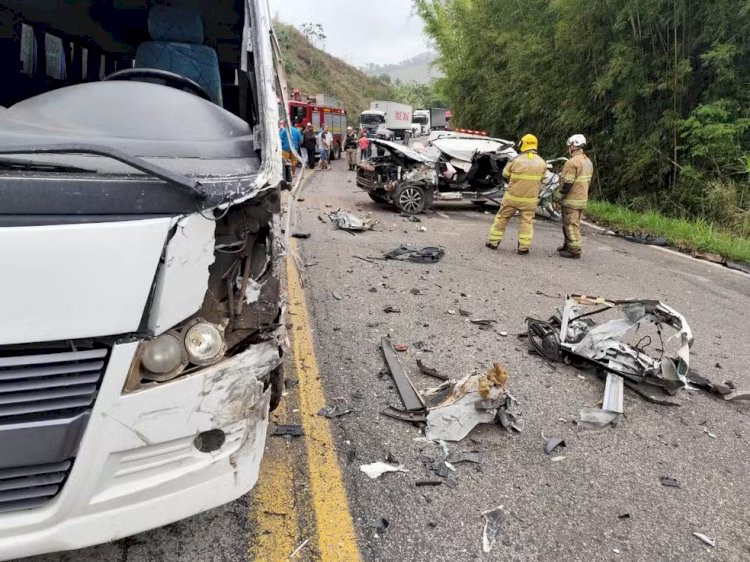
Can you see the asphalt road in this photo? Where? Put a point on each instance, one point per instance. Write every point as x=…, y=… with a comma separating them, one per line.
x=571, y=509
x=564, y=510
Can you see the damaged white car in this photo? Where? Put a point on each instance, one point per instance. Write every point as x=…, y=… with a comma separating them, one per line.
x=451, y=167
x=143, y=332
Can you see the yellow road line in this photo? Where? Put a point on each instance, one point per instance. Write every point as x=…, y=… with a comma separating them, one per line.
x=274, y=517
x=337, y=540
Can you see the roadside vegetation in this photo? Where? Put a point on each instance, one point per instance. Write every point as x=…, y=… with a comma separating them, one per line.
x=313, y=71
x=658, y=86
x=690, y=235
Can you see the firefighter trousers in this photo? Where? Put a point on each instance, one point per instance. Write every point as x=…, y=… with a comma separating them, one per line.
x=571, y=219
x=525, y=229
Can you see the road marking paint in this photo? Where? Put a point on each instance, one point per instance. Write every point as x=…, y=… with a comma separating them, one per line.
x=337, y=540
x=274, y=517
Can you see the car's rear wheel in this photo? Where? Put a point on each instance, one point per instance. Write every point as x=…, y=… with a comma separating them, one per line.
x=410, y=199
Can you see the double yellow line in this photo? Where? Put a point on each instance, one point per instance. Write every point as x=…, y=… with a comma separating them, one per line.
x=277, y=511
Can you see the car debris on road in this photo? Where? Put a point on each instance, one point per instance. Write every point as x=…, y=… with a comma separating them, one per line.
x=573, y=336
x=346, y=220
x=377, y=469
x=492, y=520
x=408, y=252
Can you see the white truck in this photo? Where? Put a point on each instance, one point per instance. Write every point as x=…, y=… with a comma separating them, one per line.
x=432, y=119
x=387, y=120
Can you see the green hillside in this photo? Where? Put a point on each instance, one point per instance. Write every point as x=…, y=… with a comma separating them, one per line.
x=313, y=71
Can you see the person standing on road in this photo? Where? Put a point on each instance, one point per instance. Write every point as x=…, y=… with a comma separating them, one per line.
x=350, y=145
x=524, y=174
x=309, y=141
x=324, y=146
x=364, y=146
x=287, y=152
x=573, y=195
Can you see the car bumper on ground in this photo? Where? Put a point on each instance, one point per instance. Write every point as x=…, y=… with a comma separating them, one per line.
x=138, y=467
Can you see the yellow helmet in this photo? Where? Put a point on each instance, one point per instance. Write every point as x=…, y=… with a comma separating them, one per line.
x=529, y=142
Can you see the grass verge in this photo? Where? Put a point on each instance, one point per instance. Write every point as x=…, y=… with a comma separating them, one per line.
x=684, y=234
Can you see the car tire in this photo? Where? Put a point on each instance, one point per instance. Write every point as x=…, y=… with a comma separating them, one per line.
x=378, y=198
x=336, y=151
x=410, y=199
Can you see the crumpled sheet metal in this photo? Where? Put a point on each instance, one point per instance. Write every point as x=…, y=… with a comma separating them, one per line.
x=457, y=407
x=603, y=343
x=346, y=220
x=408, y=252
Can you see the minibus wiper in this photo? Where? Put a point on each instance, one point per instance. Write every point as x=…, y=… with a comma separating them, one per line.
x=30, y=165
x=140, y=164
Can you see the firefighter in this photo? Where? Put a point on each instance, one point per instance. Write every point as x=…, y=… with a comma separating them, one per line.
x=350, y=145
x=524, y=174
x=573, y=195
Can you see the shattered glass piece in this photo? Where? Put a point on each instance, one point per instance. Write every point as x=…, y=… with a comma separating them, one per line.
x=492, y=520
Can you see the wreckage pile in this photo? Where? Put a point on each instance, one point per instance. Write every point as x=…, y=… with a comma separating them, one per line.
x=573, y=336
x=454, y=408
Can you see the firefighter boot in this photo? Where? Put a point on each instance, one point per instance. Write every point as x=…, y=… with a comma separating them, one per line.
x=569, y=254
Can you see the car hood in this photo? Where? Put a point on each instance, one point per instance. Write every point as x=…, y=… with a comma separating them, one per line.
x=466, y=148
x=404, y=150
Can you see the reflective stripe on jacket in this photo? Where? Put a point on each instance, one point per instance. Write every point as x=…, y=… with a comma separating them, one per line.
x=578, y=170
x=525, y=174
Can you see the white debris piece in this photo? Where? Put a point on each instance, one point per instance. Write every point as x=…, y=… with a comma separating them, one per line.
x=346, y=220
x=377, y=469
x=708, y=540
x=460, y=406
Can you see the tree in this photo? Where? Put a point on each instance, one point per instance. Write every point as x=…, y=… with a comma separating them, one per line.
x=659, y=86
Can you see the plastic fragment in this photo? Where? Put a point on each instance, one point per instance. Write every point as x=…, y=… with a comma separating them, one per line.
x=377, y=469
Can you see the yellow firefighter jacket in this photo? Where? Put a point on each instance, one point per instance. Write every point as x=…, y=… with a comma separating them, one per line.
x=525, y=174
x=578, y=170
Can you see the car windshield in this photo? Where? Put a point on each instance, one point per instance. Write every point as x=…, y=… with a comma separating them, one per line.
x=421, y=119
x=371, y=119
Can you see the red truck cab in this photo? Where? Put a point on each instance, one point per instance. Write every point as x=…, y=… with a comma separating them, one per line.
x=320, y=109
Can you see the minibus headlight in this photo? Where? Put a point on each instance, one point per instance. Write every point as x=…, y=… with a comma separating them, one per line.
x=162, y=358
x=204, y=343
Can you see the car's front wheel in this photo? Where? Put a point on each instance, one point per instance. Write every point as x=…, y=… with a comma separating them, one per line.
x=410, y=199
x=377, y=198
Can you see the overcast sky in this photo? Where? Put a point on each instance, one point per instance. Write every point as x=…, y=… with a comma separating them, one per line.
x=360, y=31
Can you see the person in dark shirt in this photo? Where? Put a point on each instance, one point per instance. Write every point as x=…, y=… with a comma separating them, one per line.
x=310, y=141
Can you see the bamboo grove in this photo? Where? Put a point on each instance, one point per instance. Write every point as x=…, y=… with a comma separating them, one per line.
x=661, y=87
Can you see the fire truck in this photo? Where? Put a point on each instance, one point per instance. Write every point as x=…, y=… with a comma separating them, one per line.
x=320, y=109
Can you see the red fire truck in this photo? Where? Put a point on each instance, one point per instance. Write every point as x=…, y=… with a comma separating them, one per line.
x=320, y=109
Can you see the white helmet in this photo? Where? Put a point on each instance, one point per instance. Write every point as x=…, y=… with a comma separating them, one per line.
x=577, y=141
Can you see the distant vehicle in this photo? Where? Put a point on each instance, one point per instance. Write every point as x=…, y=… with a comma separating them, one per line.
x=320, y=109
x=432, y=119
x=452, y=167
x=387, y=120
x=416, y=130
x=421, y=119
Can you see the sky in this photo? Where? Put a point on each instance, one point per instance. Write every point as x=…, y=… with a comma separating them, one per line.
x=360, y=31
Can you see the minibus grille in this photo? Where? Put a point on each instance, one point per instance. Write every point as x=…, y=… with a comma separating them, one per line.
x=42, y=385
x=29, y=487
x=46, y=397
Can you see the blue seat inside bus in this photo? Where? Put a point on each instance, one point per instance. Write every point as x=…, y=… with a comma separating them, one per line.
x=177, y=46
